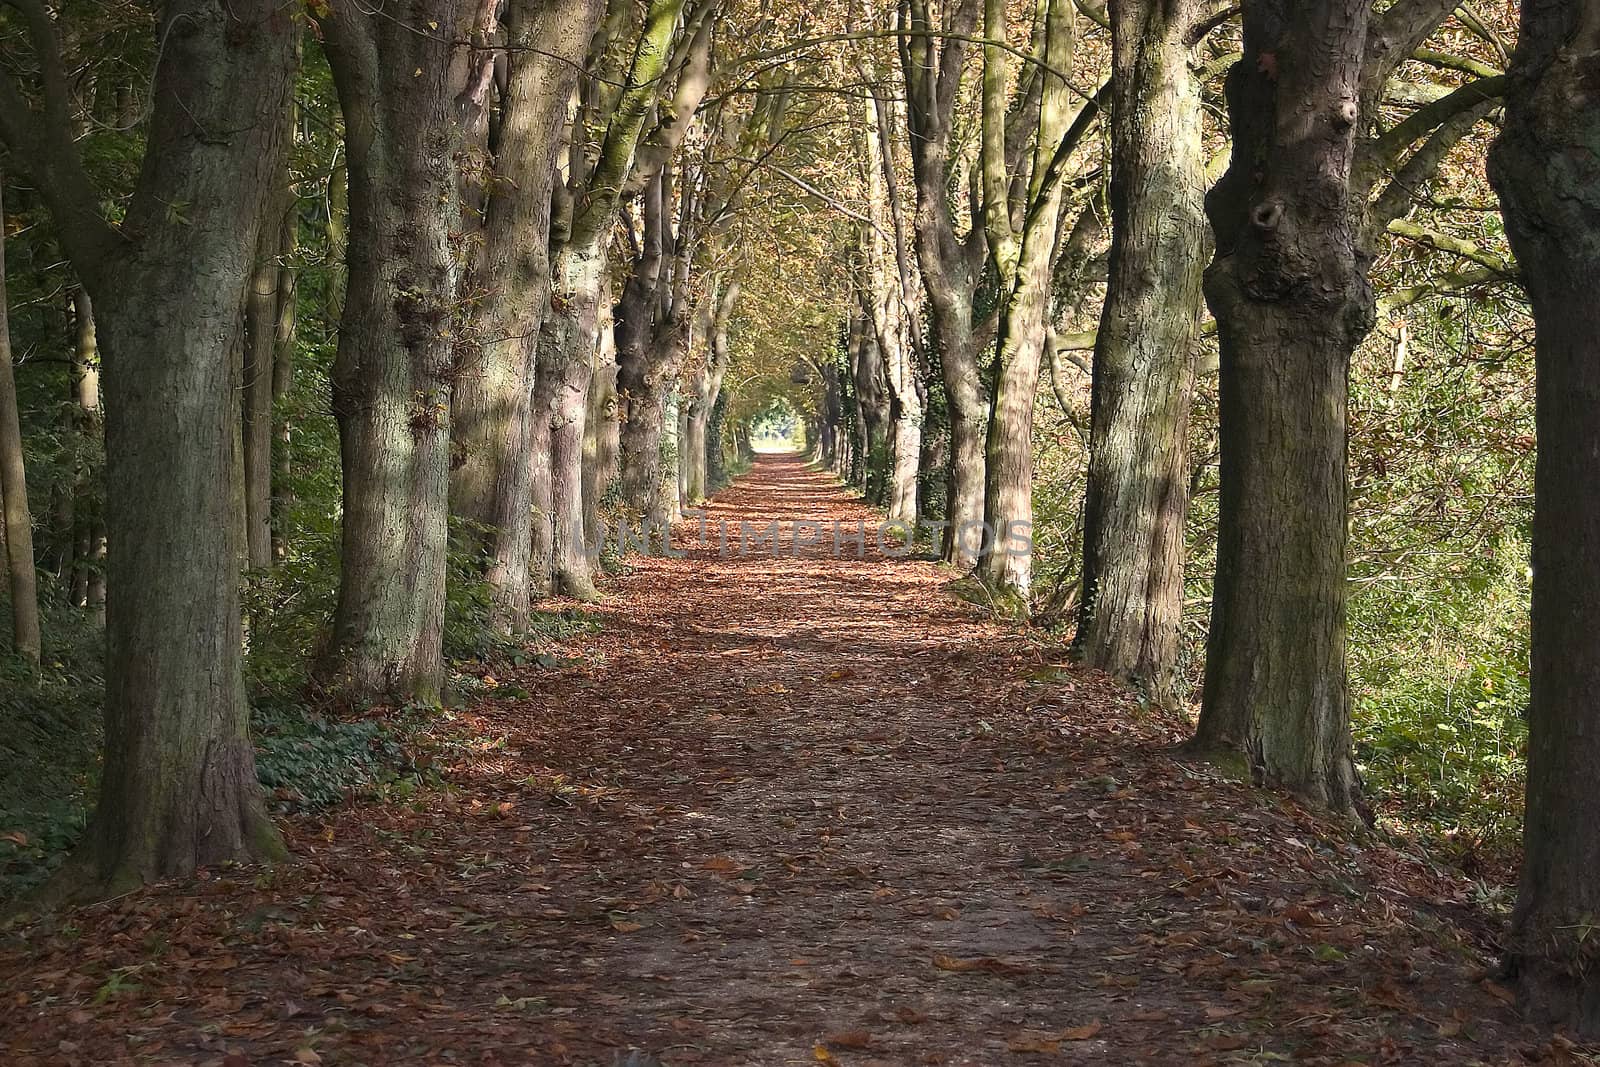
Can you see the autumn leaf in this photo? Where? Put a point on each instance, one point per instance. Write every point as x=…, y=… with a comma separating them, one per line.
x=857, y=1039
x=979, y=963
x=723, y=865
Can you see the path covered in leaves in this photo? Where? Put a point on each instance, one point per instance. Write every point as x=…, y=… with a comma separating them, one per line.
x=789, y=809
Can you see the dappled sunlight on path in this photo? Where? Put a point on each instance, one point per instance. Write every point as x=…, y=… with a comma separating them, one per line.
x=789, y=807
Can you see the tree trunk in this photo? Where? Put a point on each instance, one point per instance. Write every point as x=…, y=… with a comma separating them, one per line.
x=260, y=360
x=23, y=580
x=600, y=433
x=288, y=319
x=1022, y=259
x=492, y=485
x=179, y=788
x=907, y=446
x=1006, y=563
x=566, y=362
x=1291, y=299
x=669, y=506
x=396, y=364
x=1137, y=496
x=1546, y=168
x=950, y=267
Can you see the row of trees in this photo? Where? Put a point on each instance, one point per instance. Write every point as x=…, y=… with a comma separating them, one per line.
x=1330, y=145
x=526, y=221
x=532, y=221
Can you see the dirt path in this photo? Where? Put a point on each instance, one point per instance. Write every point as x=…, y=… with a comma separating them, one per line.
x=788, y=810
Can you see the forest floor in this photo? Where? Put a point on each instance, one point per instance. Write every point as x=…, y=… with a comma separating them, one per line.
x=791, y=809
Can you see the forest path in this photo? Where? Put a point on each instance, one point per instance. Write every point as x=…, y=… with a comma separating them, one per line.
x=787, y=809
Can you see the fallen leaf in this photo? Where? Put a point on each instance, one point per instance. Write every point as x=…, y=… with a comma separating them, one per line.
x=851, y=1039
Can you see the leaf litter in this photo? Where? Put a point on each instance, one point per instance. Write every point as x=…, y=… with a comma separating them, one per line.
x=792, y=810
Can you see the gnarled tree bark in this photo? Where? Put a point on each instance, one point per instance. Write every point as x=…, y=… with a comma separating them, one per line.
x=1289, y=291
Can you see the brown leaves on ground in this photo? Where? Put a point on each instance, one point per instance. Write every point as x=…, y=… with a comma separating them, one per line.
x=790, y=811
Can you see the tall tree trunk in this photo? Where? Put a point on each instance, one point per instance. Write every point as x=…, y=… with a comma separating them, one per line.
x=906, y=448
x=1006, y=563
x=1137, y=496
x=492, y=485
x=669, y=506
x=23, y=580
x=708, y=388
x=260, y=360
x=396, y=364
x=1022, y=257
x=288, y=320
x=642, y=355
x=1290, y=295
x=567, y=343
x=680, y=455
x=1546, y=168
x=88, y=491
x=600, y=433
x=950, y=267
x=179, y=788
x=569, y=333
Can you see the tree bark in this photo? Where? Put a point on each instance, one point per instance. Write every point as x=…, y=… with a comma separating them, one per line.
x=1546, y=168
x=288, y=320
x=600, y=437
x=493, y=481
x=178, y=789
x=1022, y=256
x=950, y=267
x=569, y=332
x=1137, y=495
x=397, y=361
x=260, y=362
x=23, y=580
x=1290, y=295
x=567, y=341
x=702, y=446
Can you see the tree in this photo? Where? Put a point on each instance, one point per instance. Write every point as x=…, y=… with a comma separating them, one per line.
x=178, y=788
x=1137, y=496
x=653, y=322
x=951, y=264
x=1022, y=238
x=23, y=580
x=1546, y=169
x=704, y=386
x=409, y=96
x=1289, y=291
x=889, y=295
x=617, y=106
x=260, y=355
x=492, y=432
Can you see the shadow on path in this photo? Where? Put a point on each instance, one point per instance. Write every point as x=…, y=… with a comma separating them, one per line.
x=788, y=809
